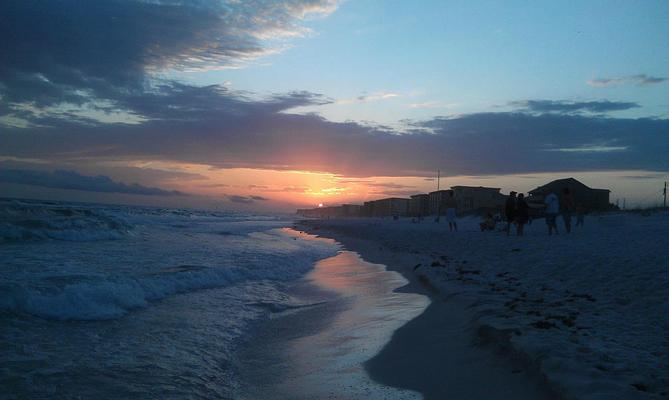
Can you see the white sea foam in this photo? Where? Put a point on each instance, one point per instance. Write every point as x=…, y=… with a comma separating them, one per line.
x=162, y=308
x=21, y=222
x=113, y=296
x=170, y=252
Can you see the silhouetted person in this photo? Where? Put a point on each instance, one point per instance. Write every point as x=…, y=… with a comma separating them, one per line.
x=522, y=214
x=510, y=211
x=552, y=210
x=567, y=208
x=450, y=212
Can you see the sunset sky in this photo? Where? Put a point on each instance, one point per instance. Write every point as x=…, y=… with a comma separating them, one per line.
x=272, y=105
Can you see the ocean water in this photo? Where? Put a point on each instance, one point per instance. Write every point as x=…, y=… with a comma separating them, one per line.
x=132, y=302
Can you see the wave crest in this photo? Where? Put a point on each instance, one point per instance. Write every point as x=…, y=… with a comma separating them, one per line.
x=21, y=222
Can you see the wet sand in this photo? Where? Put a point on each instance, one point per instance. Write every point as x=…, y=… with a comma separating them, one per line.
x=436, y=355
x=319, y=351
x=372, y=334
x=440, y=353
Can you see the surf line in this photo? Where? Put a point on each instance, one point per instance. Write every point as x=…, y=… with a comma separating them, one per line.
x=320, y=351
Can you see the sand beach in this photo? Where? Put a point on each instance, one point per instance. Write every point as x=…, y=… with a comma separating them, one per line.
x=580, y=316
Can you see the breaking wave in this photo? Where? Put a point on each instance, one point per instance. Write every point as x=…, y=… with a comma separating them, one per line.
x=91, y=297
x=21, y=222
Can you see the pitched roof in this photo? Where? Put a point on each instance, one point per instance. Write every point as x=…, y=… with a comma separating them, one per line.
x=441, y=191
x=562, y=183
x=475, y=187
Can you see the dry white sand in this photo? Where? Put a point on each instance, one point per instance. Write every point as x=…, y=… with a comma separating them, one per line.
x=582, y=316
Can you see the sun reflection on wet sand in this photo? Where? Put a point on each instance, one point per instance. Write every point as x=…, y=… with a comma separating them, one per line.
x=329, y=363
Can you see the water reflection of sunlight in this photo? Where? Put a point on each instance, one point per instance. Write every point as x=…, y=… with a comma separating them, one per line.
x=331, y=360
x=305, y=236
x=342, y=273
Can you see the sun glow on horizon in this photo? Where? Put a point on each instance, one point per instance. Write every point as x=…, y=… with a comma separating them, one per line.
x=287, y=189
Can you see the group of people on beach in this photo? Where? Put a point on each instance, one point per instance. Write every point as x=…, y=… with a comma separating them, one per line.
x=517, y=212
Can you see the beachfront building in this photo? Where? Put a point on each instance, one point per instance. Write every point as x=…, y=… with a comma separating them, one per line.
x=419, y=205
x=321, y=212
x=366, y=210
x=472, y=198
x=438, y=201
x=351, y=210
x=393, y=206
x=307, y=212
x=591, y=199
x=342, y=211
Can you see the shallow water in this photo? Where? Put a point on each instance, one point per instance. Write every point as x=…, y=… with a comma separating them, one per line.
x=319, y=352
x=129, y=302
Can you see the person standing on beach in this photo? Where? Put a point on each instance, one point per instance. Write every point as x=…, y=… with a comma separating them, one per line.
x=552, y=210
x=510, y=211
x=450, y=212
x=567, y=208
x=522, y=214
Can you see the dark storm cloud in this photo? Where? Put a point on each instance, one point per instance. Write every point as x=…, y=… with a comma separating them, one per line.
x=493, y=143
x=103, y=54
x=225, y=129
x=598, y=107
x=75, y=51
x=61, y=179
x=115, y=172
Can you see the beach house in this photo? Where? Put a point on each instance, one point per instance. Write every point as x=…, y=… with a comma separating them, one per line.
x=351, y=210
x=321, y=212
x=392, y=206
x=591, y=199
x=471, y=198
x=342, y=211
x=438, y=201
x=419, y=205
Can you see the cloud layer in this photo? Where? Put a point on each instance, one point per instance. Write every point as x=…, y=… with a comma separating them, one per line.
x=79, y=52
x=574, y=107
x=61, y=179
x=224, y=129
x=105, y=56
x=245, y=199
x=639, y=80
